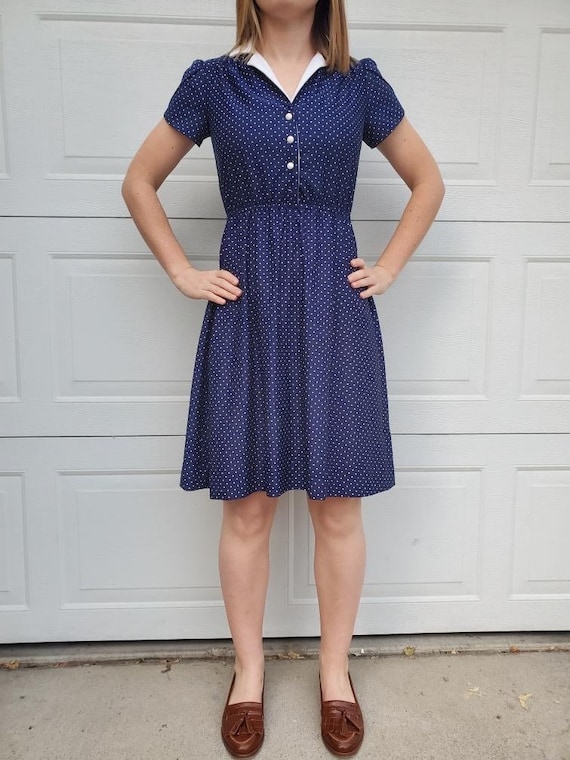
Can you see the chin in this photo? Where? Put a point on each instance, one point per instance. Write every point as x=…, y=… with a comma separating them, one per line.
x=285, y=8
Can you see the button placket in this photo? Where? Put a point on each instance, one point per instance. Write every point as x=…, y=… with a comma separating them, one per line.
x=292, y=139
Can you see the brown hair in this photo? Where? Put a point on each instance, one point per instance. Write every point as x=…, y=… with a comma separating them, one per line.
x=330, y=32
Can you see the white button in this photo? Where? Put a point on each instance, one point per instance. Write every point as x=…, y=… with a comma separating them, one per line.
x=290, y=139
x=288, y=116
x=290, y=165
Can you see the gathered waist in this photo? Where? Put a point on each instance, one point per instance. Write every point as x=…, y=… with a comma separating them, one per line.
x=342, y=210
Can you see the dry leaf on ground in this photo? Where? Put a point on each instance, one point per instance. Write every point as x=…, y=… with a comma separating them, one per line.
x=523, y=698
x=12, y=665
x=290, y=655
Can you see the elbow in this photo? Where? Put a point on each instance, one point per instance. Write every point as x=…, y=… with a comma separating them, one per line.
x=438, y=188
x=430, y=187
x=125, y=185
x=441, y=184
x=441, y=189
x=135, y=183
x=130, y=187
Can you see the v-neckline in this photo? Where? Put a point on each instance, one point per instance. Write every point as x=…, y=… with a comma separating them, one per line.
x=260, y=63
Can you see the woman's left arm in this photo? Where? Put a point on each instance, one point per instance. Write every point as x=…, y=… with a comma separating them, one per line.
x=408, y=154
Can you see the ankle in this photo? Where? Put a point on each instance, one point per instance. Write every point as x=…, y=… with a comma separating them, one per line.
x=249, y=667
x=249, y=681
x=333, y=663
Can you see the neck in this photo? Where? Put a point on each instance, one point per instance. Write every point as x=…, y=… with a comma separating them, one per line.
x=287, y=40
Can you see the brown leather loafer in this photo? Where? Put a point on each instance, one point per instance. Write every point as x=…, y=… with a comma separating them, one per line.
x=342, y=725
x=242, y=726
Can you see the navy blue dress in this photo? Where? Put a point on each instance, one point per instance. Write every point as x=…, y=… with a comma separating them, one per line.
x=289, y=385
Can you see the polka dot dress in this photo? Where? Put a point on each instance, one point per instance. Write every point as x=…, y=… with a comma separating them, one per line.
x=289, y=386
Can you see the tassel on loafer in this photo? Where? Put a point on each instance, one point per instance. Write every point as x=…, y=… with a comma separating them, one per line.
x=342, y=725
x=243, y=725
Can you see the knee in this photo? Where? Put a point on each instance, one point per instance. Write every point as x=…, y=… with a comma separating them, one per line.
x=336, y=521
x=250, y=517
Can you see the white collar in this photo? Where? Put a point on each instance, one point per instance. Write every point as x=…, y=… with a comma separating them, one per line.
x=260, y=63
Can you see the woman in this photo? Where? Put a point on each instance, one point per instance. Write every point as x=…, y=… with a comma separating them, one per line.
x=289, y=387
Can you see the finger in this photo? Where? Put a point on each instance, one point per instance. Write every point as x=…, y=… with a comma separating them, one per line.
x=225, y=290
x=229, y=284
x=358, y=262
x=228, y=276
x=356, y=278
x=216, y=299
x=231, y=291
x=223, y=287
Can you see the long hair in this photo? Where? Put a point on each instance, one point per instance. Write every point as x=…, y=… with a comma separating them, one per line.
x=330, y=32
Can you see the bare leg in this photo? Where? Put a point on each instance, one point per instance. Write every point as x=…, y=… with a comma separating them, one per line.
x=244, y=575
x=340, y=558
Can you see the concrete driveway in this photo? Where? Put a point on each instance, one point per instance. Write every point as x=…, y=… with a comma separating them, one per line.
x=436, y=698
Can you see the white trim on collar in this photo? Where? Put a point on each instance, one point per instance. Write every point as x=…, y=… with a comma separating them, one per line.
x=259, y=62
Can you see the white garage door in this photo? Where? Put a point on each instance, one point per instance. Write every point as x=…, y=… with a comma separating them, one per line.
x=97, y=541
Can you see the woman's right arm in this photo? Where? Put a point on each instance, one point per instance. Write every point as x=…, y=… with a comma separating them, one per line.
x=159, y=154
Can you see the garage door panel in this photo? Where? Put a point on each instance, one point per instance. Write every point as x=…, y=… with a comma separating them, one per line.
x=546, y=358
x=115, y=550
x=135, y=537
x=13, y=554
x=551, y=165
x=434, y=67
x=95, y=119
x=444, y=335
x=9, y=363
x=121, y=329
x=505, y=543
x=541, y=560
x=422, y=14
x=4, y=175
x=431, y=547
x=105, y=343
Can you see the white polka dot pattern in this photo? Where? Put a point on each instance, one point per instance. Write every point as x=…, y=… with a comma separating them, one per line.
x=289, y=386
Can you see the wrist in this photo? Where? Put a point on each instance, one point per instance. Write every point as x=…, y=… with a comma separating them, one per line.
x=391, y=272
x=175, y=273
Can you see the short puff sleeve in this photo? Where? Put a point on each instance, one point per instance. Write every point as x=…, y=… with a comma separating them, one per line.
x=187, y=110
x=383, y=109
